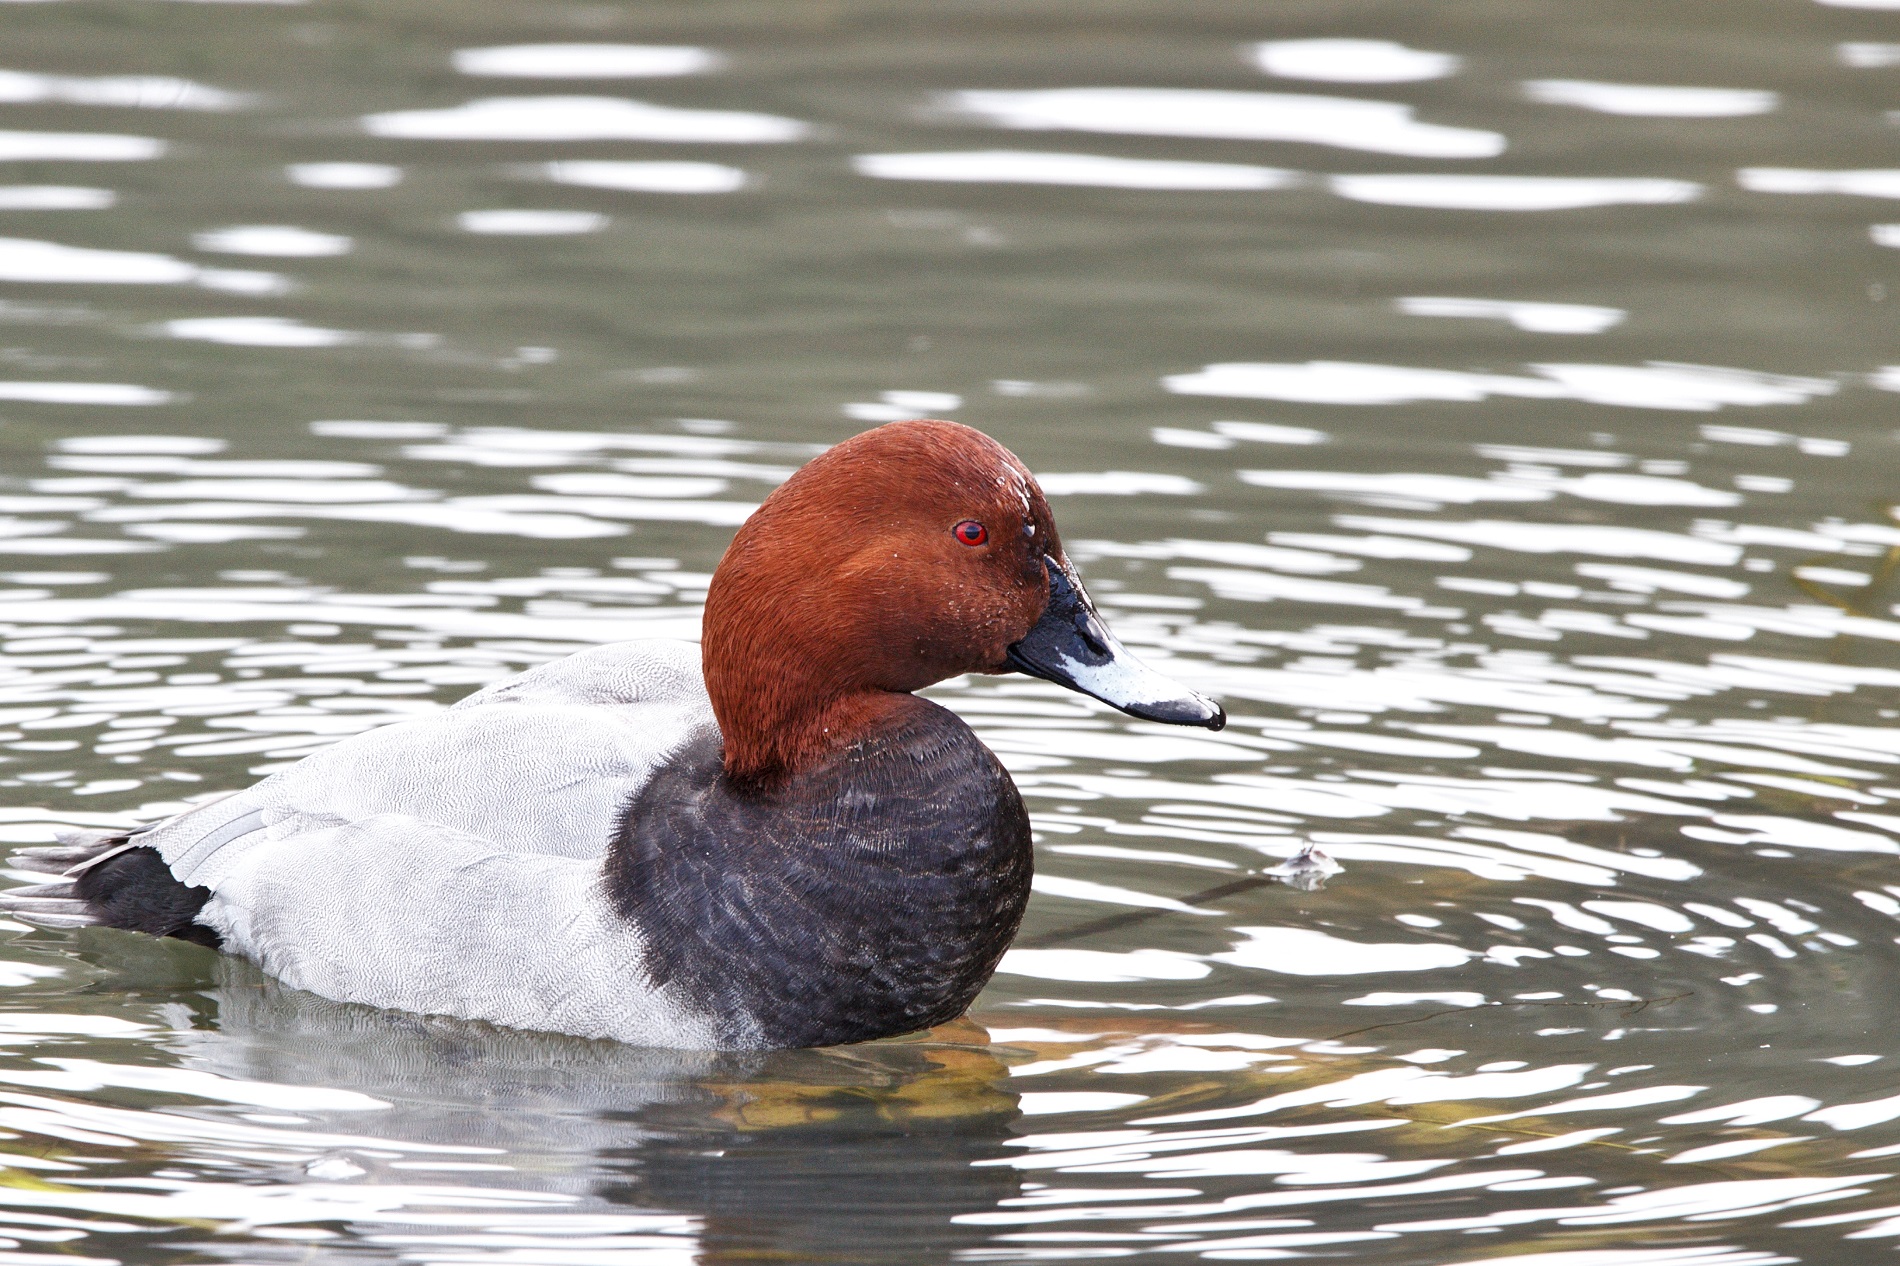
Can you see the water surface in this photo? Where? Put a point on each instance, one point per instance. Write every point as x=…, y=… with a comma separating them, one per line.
x=1491, y=403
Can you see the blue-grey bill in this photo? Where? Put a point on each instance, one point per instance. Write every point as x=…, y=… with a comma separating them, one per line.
x=1072, y=647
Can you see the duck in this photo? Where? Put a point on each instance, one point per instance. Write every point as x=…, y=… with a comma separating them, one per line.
x=766, y=840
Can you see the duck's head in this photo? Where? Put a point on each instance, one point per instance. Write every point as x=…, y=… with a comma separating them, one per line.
x=911, y=553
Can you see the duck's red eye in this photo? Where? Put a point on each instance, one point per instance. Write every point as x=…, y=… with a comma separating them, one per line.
x=970, y=532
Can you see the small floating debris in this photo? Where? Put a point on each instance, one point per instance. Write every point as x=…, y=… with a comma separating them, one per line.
x=1308, y=870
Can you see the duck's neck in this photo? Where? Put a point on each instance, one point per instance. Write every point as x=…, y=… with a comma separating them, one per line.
x=785, y=705
x=777, y=730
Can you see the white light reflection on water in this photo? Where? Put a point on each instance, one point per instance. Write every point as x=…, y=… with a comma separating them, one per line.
x=55, y=198
x=1865, y=56
x=585, y=61
x=272, y=239
x=83, y=147
x=1025, y=167
x=1350, y=61
x=1512, y=193
x=645, y=177
x=22, y=259
x=51, y=263
x=140, y=92
x=1700, y=1255
x=86, y=393
x=1657, y=385
x=256, y=331
x=505, y=223
x=1866, y=183
x=1652, y=101
x=344, y=175
x=583, y=119
x=1382, y=127
x=1539, y=318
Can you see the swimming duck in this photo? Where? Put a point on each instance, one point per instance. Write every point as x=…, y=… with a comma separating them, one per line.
x=763, y=841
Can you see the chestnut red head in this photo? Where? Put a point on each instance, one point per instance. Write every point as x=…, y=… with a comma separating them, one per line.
x=908, y=554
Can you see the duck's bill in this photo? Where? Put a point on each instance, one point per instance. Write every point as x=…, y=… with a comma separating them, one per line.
x=1072, y=647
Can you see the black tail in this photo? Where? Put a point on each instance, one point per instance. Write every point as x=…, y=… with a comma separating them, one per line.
x=110, y=881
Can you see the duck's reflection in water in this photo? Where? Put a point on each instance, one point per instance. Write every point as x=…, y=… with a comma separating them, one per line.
x=824, y=1154
x=839, y=1176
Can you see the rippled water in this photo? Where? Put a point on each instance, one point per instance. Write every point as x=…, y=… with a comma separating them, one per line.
x=1490, y=403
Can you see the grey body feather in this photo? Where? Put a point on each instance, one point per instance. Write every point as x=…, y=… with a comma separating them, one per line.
x=449, y=865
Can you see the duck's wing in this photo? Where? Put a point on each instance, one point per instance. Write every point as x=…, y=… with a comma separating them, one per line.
x=545, y=762
x=390, y=911
x=395, y=912
x=449, y=865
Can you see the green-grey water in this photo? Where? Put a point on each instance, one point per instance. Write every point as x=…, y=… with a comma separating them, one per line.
x=1492, y=403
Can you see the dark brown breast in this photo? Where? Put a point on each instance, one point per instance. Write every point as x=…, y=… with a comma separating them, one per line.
x=869, y=896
